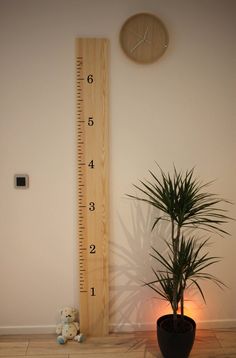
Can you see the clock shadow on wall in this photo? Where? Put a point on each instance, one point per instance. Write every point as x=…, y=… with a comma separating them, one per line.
x=144, y=38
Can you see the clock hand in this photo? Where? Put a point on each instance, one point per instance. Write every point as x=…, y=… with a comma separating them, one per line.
x=137, y=44
x=145, y=36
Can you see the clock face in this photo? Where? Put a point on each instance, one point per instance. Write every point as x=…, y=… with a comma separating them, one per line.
x=144, y=38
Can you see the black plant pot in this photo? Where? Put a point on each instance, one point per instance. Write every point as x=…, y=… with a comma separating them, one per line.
x=175, y=344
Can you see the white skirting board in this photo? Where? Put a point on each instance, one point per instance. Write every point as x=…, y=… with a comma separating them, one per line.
x=126, y=327
x=4, y=330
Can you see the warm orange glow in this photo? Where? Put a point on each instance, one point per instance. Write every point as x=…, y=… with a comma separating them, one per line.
x=193, y=306
x=190, y=310
x=159, y=308
x=166, y=309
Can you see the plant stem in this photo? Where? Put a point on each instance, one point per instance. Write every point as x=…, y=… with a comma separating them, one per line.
x=173, y=232
x=175, y=241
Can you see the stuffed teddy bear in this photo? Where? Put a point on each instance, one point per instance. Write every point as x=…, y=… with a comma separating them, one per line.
x=68, y=328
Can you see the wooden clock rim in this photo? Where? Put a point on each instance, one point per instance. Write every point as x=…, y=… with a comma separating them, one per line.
x=130, y=19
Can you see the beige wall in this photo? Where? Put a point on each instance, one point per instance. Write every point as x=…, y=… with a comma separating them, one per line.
x=179, y=110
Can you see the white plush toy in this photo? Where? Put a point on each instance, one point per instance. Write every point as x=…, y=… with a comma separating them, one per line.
x=68, y=328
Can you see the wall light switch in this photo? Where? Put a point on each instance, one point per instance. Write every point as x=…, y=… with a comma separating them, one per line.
x=21, y=181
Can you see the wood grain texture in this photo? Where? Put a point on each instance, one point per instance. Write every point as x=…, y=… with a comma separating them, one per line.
x=92, y=118
x=208, y=344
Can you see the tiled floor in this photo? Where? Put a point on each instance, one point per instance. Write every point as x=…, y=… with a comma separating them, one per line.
x=208, y=344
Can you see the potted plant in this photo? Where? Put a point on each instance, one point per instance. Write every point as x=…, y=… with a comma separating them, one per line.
x=181, y=200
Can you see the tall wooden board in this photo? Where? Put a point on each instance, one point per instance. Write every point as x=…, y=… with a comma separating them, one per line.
x=92, y=146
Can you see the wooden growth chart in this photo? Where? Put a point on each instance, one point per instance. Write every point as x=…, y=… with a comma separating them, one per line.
x=92, y=148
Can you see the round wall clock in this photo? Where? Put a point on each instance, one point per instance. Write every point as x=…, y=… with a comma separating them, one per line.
x=144, y=38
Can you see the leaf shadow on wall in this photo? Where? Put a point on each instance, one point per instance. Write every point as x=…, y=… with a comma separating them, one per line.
x=132, y=304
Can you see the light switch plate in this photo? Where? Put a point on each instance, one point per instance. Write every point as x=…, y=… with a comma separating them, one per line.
x=21, y=181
